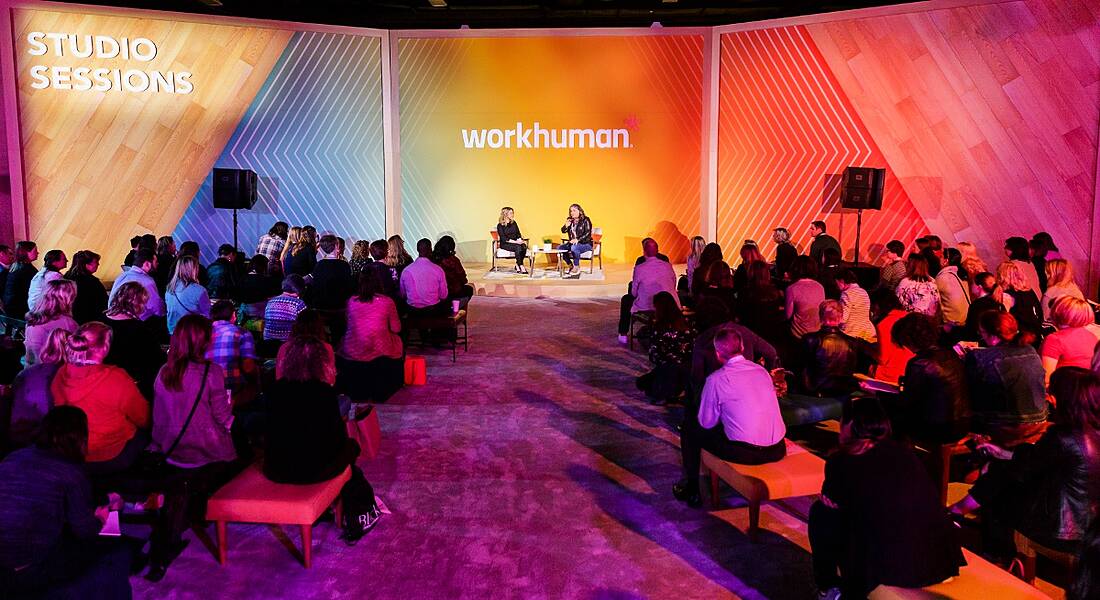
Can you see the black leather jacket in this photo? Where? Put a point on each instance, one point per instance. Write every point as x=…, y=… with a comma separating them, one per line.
x=831, y=358
x=934, y=401
x=580, y=231
x=1053, y=487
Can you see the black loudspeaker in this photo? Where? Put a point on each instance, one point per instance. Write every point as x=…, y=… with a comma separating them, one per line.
x=234, y=188
x=862, y=188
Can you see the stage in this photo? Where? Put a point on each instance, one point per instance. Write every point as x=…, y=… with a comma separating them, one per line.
x=611, y=282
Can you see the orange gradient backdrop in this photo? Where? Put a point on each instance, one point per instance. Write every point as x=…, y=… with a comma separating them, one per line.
x=651, y=85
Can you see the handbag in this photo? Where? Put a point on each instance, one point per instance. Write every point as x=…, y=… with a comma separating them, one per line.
x=364, y=429
x=151, y=464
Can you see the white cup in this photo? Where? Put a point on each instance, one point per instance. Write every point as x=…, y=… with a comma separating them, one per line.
x=454, y=306
x=546, y=247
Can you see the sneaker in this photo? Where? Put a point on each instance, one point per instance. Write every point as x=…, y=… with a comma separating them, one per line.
x=623, y=340
x=829, y=594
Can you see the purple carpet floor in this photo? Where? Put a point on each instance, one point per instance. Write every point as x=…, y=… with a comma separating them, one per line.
x=531, y=468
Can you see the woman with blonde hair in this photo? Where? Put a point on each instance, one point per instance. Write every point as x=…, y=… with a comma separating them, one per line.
x=1074, y=344
x=1025, y=303
x=31, y=398
x=184, y=294
x=697, y=245
x=54, y=310
x=1060, y=282
x=397, y=257
x=972, y=264
x=117, y=412
x=509, y=237
x=301, y=257
x=134, y=346
x=360, y=257
x=293, y=236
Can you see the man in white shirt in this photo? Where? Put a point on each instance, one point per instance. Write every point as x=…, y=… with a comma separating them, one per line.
x=424, y=285
x=740, y=397
x=145, y=261
x=54, y=261
x=652, y=273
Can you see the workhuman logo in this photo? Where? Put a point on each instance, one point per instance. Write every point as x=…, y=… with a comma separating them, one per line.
x=524, y=137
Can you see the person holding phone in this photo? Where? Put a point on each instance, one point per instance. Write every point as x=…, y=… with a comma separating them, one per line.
x=579, y=229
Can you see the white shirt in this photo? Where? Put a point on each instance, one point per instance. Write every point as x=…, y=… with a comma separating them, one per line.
x=741, y=395
x=652, y=276
x=38, y=285
x=954, y=295
x=423, y=283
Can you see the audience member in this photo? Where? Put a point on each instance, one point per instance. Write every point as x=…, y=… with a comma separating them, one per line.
x=18, y=282
x=293, y=238
x=991, y=297
x=49, y=523
x=971, y=264
x=917, y=292
x=855, y=305
x=935, y=263
x=134, y=346
x=1046, y=491
x=892, y=358
x=184, y=294
x=1025, y=304
x=128, y=261
x=821, y=242
x=650, y=277
x=118, y=415
x=1074, y=342
x=704, y=361
x=760, y=306
x=370, y=365
x=831, y=357
x=717, y=283
x=31, y=397
x=190, y=248
x=144, y=263
x=826, y=274
x=91, y=296
x=669, y=351
x=893, y=268
x=282, y=310
x=933, y=404
x=271, y=244
x=257, y=287
x=1060, y=282
x=386, y=274
x=331, y=284
x=307, y=441
x=711, y=254
x=954, y=290
x=1018, y=251
x=53, y=311
x=396, y=256
x=301, y=257
x=804, y=297
x=232, y=349
x=360, y=258
x=749, y=253
x=698, y=243
x=785, y=253
x=52, y=264
x=223, y=274
x=458, y=286
x=424, y=284
x=740, y=397
x=7, y=259
x=856, y=538
x=1005, y=381
x=166, y=262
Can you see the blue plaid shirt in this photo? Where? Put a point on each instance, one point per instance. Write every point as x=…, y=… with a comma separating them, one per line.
x=230, y=346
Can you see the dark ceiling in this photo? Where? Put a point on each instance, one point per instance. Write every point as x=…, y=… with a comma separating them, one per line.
x=418, y=14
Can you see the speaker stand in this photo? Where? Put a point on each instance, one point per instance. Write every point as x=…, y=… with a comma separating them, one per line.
x=235, y=234
x=859, y=226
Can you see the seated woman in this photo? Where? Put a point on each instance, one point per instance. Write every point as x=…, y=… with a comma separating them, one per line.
x=118, y=415
x=698, y=243
x=711, y=254
x=134, y=345
x=803, y=297
x=892, y=358
x=397, y=257
x=91, y=296
x=307, y=441
x=717, y=283
x=1005, y=383
x=458, y=286
x=360, y=257
x=510, y=237
x=1025, y=301
x=669, y=351
x=917, y=291
x=184, y=294
x=31, y=398
x=191, y=425
x=370, y=366
x=933, y=404
x=49, y=523
x=1060, y=282
x=750, y=254
x=54, y=310
x=857, y=540
x=579, y=229
x=760, y=306
x=1074, y=344
x=1046, y=491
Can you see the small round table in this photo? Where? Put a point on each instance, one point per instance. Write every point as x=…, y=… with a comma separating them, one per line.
x=535, y=250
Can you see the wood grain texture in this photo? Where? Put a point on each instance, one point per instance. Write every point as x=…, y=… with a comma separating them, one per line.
x=101, y=167
x=987, y=115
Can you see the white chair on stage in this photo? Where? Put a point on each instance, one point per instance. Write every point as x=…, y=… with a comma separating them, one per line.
x=594, y=254
x=502, y=253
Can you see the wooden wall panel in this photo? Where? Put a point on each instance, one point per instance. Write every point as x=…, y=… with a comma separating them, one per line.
x=987, y=114
x=104, y=166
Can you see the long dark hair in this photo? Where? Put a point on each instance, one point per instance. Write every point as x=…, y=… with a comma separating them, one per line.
x=667, y=314
x=79, y=266
x=864, y=424
x=189, y=343
x=64, y=431
x=1077, y=392
x=369, y=285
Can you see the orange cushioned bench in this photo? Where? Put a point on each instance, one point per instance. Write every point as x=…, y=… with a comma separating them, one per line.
x=798, y=474
x=979, y=579
x=252, y=498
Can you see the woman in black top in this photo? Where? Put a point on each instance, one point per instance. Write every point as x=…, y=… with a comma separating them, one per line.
x=579, y=229
x=934, y=403
x=1025, y=301
x=879, y=520
x=510, y=237
x=18, y=284
x=301, y=259
x=134, y=346
x=91, y=296
x=670, y=348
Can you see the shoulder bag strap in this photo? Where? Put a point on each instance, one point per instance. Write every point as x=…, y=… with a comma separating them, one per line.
x=198, y=398
x=965, y=289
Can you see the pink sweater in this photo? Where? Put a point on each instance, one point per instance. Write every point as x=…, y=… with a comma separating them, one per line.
x=373, y=329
